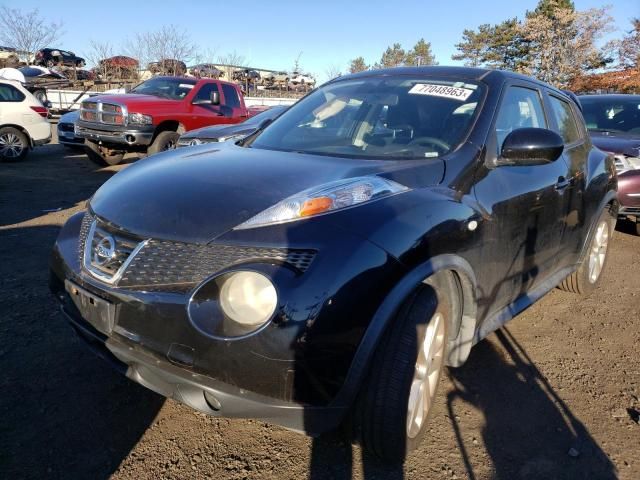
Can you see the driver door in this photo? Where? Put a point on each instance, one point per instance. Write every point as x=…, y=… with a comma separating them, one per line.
x=523, y=233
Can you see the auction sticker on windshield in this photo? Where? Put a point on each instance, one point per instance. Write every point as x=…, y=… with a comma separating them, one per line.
x=445, y=91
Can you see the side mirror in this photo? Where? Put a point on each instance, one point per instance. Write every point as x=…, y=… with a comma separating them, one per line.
x=214, y=99
x=530, y=146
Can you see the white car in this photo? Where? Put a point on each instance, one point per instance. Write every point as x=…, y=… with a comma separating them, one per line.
x=23, y=121
x=298, y=78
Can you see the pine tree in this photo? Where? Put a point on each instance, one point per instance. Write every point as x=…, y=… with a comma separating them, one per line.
x=358, y=65
x=421, y=54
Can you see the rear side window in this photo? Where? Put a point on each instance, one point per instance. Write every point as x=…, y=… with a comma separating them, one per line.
x=9, y=93
x=205, y=92
x=566, y=125
x=231, y=98
x=521, y=108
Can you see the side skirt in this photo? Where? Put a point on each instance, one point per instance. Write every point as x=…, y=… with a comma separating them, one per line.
x=524, y=301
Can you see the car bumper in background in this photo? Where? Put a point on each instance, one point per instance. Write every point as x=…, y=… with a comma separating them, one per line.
x=113, y=136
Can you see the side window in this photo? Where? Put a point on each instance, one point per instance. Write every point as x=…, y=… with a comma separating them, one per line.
x=230, y=96
x=205, y=92
x=521, y=108
x=566, y=125
x=9, y=93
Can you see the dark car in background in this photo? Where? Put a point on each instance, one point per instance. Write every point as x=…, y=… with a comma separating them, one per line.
x=223, y=133
x=49, y=57
x=324, y=270
x=614, y=125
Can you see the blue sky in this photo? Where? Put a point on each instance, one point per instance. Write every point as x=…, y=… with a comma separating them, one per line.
x=271, y=34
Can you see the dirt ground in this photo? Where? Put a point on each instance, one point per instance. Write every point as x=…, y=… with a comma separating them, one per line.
x=555, y=395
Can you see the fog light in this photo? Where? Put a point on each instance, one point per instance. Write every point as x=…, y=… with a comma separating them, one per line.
x=248, y=298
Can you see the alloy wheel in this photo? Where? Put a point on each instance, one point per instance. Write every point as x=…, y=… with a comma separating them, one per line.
x=10, y=145
x=598, y=252
x=426, y=375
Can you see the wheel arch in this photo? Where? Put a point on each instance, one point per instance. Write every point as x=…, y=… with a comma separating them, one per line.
x=169, y=126
x=22, y=129
x=385, y=313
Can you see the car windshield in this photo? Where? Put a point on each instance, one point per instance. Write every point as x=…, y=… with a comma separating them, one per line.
x=613, y=114
x=266, y=115
x=173, y=88
x=399, y=117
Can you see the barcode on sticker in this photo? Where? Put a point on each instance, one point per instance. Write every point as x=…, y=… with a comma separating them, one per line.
x=444, y=91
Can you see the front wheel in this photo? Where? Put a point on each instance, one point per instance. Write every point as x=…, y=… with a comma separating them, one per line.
x=394, y=404
x=164, y=141
x=14, y=144
x=586, y=278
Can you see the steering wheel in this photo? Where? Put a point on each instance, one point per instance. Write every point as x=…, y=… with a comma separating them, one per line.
x=429, y=141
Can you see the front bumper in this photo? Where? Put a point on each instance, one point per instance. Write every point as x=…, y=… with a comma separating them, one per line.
x=290, y=373
x=200, y=392
x=113, y=135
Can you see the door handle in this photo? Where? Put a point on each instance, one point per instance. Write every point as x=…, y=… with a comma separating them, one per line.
x=562, y=183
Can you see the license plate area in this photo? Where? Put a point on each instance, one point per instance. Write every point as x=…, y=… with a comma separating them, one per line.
x=95, y=310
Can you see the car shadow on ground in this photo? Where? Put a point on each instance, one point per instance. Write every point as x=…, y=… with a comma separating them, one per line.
x=529, y=432
x=64, y=412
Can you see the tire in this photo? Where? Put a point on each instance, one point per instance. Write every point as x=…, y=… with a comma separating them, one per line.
x=164, y=141
x=637, y=225
x=50, y=63
x=97, y=155
x=14, y=144
x=382, y=421
x=587, y=277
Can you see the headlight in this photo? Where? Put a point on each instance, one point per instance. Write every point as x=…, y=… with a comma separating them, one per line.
x=248, y=298
x=233, y=304
x=325, y=199
x=140, y=119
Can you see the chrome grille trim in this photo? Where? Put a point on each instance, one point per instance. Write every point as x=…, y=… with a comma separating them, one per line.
x=124, y=251
x=101, y=111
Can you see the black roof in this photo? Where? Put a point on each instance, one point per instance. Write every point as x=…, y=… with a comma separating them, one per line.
x=469, y=73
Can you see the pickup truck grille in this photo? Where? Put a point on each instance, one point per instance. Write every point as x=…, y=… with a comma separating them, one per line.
x=101, y=112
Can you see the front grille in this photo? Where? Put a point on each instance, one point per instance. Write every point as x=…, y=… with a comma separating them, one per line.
x=162, y=262
x=100, y=112
x=630, y=210
x=174, y=266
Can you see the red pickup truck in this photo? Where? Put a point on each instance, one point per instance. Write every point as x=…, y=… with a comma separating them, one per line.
x=151, y=117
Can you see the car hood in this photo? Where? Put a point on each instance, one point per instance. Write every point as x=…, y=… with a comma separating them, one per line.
x=218, y=131
x=70, y=117
x=133, y=100
x=617, y=143
x=199, y=193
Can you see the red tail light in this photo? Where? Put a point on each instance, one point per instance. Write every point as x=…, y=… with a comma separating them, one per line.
x=42, y=111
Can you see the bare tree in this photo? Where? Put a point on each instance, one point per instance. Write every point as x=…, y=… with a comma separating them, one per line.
x=27, y=32
x=233, y=58
x=228, y=59
x=98, y=51
x=164, y=45
x=333, y=71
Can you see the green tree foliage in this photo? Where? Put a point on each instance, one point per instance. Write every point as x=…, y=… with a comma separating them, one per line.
x=549, y=7
x=393, y=56
x=421, y=54
x=495, y=46
x=358, y=65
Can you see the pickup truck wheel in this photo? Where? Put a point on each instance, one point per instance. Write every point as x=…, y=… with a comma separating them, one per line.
x=164, y=141
x=586, y=278
x=14, y=144
x=394, y=404
x=97, y=155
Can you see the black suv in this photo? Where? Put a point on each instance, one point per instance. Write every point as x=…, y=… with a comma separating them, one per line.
x=327, y=267
x=50, y=57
